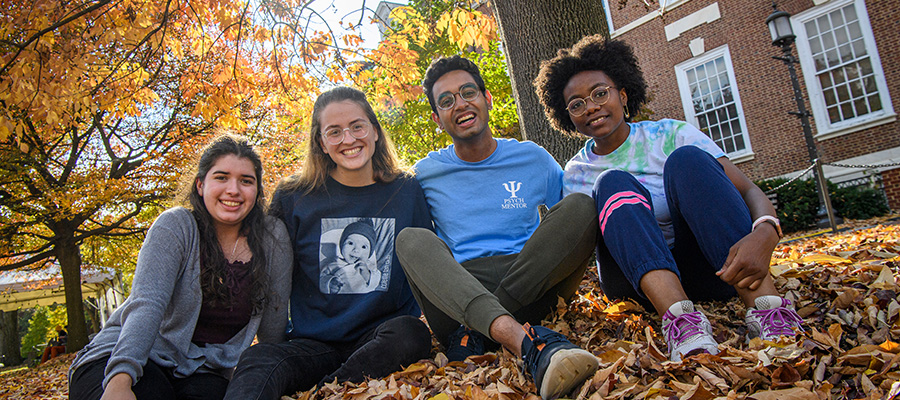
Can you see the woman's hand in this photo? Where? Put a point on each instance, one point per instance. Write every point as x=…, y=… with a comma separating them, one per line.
x=119, y=388
x=748, y=260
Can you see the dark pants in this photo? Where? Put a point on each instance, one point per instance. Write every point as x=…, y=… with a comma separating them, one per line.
x=268, y=370
x=156, y=383
x=708, y=216
x=526, y=285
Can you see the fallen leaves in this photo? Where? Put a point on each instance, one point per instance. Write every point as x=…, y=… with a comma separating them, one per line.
x=844, y=286
x=48, y=381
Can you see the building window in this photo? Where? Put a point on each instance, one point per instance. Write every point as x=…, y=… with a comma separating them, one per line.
x=841, y=66
x=711, y=102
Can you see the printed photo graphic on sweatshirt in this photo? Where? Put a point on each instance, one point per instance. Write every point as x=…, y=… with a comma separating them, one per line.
x=355, y=255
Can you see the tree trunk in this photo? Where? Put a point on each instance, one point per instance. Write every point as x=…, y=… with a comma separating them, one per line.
x=10, y=342
x=532, y=31
x=69, y=256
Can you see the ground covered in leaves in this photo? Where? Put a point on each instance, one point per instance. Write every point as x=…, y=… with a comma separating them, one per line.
x=844, y=285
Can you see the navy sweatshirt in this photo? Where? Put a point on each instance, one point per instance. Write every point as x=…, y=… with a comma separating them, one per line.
x=347, y=279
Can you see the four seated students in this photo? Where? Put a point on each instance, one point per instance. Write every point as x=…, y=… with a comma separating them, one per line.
x=459, y=238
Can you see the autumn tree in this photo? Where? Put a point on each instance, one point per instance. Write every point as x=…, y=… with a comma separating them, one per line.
x=419, y=34
x=101, y=106
x=532, y=31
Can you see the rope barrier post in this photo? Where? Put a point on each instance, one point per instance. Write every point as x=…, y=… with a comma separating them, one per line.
x=825, y=207
x=824, y=201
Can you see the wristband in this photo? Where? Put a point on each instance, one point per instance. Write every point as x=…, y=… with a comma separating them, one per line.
x=771, y=220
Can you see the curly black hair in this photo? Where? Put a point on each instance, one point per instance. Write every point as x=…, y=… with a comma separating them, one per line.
x=592, y=53
x=443, y=65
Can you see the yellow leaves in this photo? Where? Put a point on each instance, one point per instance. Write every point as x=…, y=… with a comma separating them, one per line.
x=334, y=74
x=413, y=28
x=468, y=28
x=352, y=40
x=823, y=259
x=47, y=381
x=262, y=35
x=221, y=75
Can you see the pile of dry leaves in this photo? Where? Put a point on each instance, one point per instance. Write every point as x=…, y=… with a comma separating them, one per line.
x=844, y=285
x=46, y=381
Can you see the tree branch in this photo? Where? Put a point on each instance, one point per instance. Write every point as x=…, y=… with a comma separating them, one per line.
x=50, y=28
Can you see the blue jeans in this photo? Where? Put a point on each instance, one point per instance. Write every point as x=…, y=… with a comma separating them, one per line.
x=269, y=370
x=155, y=383
x=708, y=216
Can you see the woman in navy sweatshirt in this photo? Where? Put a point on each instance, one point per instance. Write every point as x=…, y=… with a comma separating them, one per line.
x=352, y=314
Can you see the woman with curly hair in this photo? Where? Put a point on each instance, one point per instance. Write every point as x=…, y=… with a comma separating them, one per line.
x=678, y=221
x=209, y=278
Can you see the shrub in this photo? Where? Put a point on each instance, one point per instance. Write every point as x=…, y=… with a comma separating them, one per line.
x=859, y=202
x=41, y=328
x=798, y=202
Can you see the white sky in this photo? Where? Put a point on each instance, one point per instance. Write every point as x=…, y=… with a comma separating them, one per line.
x=349, y=11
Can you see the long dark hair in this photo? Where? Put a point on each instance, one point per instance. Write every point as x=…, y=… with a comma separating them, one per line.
x=319, y=165
x=212, y=259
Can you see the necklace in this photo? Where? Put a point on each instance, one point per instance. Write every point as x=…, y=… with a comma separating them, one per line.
x=235, y=247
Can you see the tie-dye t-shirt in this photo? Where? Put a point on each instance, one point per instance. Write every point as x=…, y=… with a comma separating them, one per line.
x=643, y=155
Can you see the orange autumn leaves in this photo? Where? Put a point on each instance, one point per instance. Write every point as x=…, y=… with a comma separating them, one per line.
x=838, y=281
x=845, y=352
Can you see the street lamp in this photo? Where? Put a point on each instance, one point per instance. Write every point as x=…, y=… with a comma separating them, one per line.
x=779, y=23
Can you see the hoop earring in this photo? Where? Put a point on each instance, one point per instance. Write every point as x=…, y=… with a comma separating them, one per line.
x=627, y=115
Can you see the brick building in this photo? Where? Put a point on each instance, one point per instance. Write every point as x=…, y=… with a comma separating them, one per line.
x=709, y=62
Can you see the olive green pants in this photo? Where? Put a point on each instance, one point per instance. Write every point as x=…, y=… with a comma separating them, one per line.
x=524, y=285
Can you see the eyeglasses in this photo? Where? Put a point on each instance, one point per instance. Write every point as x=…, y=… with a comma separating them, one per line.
x=467, y=92
x=599, y=96
x=358, y=130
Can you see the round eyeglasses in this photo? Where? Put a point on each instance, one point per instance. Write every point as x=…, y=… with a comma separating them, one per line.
x=357, y=130
x=599, y=96
x=467, y=92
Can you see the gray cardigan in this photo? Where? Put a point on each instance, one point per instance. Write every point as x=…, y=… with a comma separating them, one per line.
x=157, y=320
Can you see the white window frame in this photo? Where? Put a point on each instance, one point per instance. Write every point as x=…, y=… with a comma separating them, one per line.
x=664, y=6
x=825, y=129
x=688, y=104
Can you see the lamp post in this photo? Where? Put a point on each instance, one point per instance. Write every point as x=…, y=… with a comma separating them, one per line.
x=779, y=23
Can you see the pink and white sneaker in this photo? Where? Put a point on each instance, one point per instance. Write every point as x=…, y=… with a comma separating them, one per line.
x=773, y=316
x=687, y=331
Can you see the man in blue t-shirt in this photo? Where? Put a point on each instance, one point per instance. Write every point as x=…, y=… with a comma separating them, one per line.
x=493, y=263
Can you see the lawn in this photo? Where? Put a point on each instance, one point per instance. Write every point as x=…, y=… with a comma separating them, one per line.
x=845, y=286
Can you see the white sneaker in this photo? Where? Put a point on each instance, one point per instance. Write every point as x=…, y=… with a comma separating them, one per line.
x=773, y=316
x=687, y=331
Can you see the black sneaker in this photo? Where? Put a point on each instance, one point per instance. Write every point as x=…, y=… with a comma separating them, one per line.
x=464, y=342
x=556, y=365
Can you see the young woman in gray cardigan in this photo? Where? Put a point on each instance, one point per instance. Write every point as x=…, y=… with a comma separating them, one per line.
x=208, y=279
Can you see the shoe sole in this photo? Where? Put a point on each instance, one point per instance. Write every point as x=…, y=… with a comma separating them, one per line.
x=568, y=368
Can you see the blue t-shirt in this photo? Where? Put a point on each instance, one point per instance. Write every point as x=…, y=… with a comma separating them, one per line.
x=347, y=279
x=643, y=155
x=490, y=207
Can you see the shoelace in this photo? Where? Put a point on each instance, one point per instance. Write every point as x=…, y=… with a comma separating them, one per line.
x=684, y=327
x=536, y=341
x=778, y=321
x=539, y=343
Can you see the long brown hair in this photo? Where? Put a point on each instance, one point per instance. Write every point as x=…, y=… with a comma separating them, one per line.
x=213, y=263
x=319, y=165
